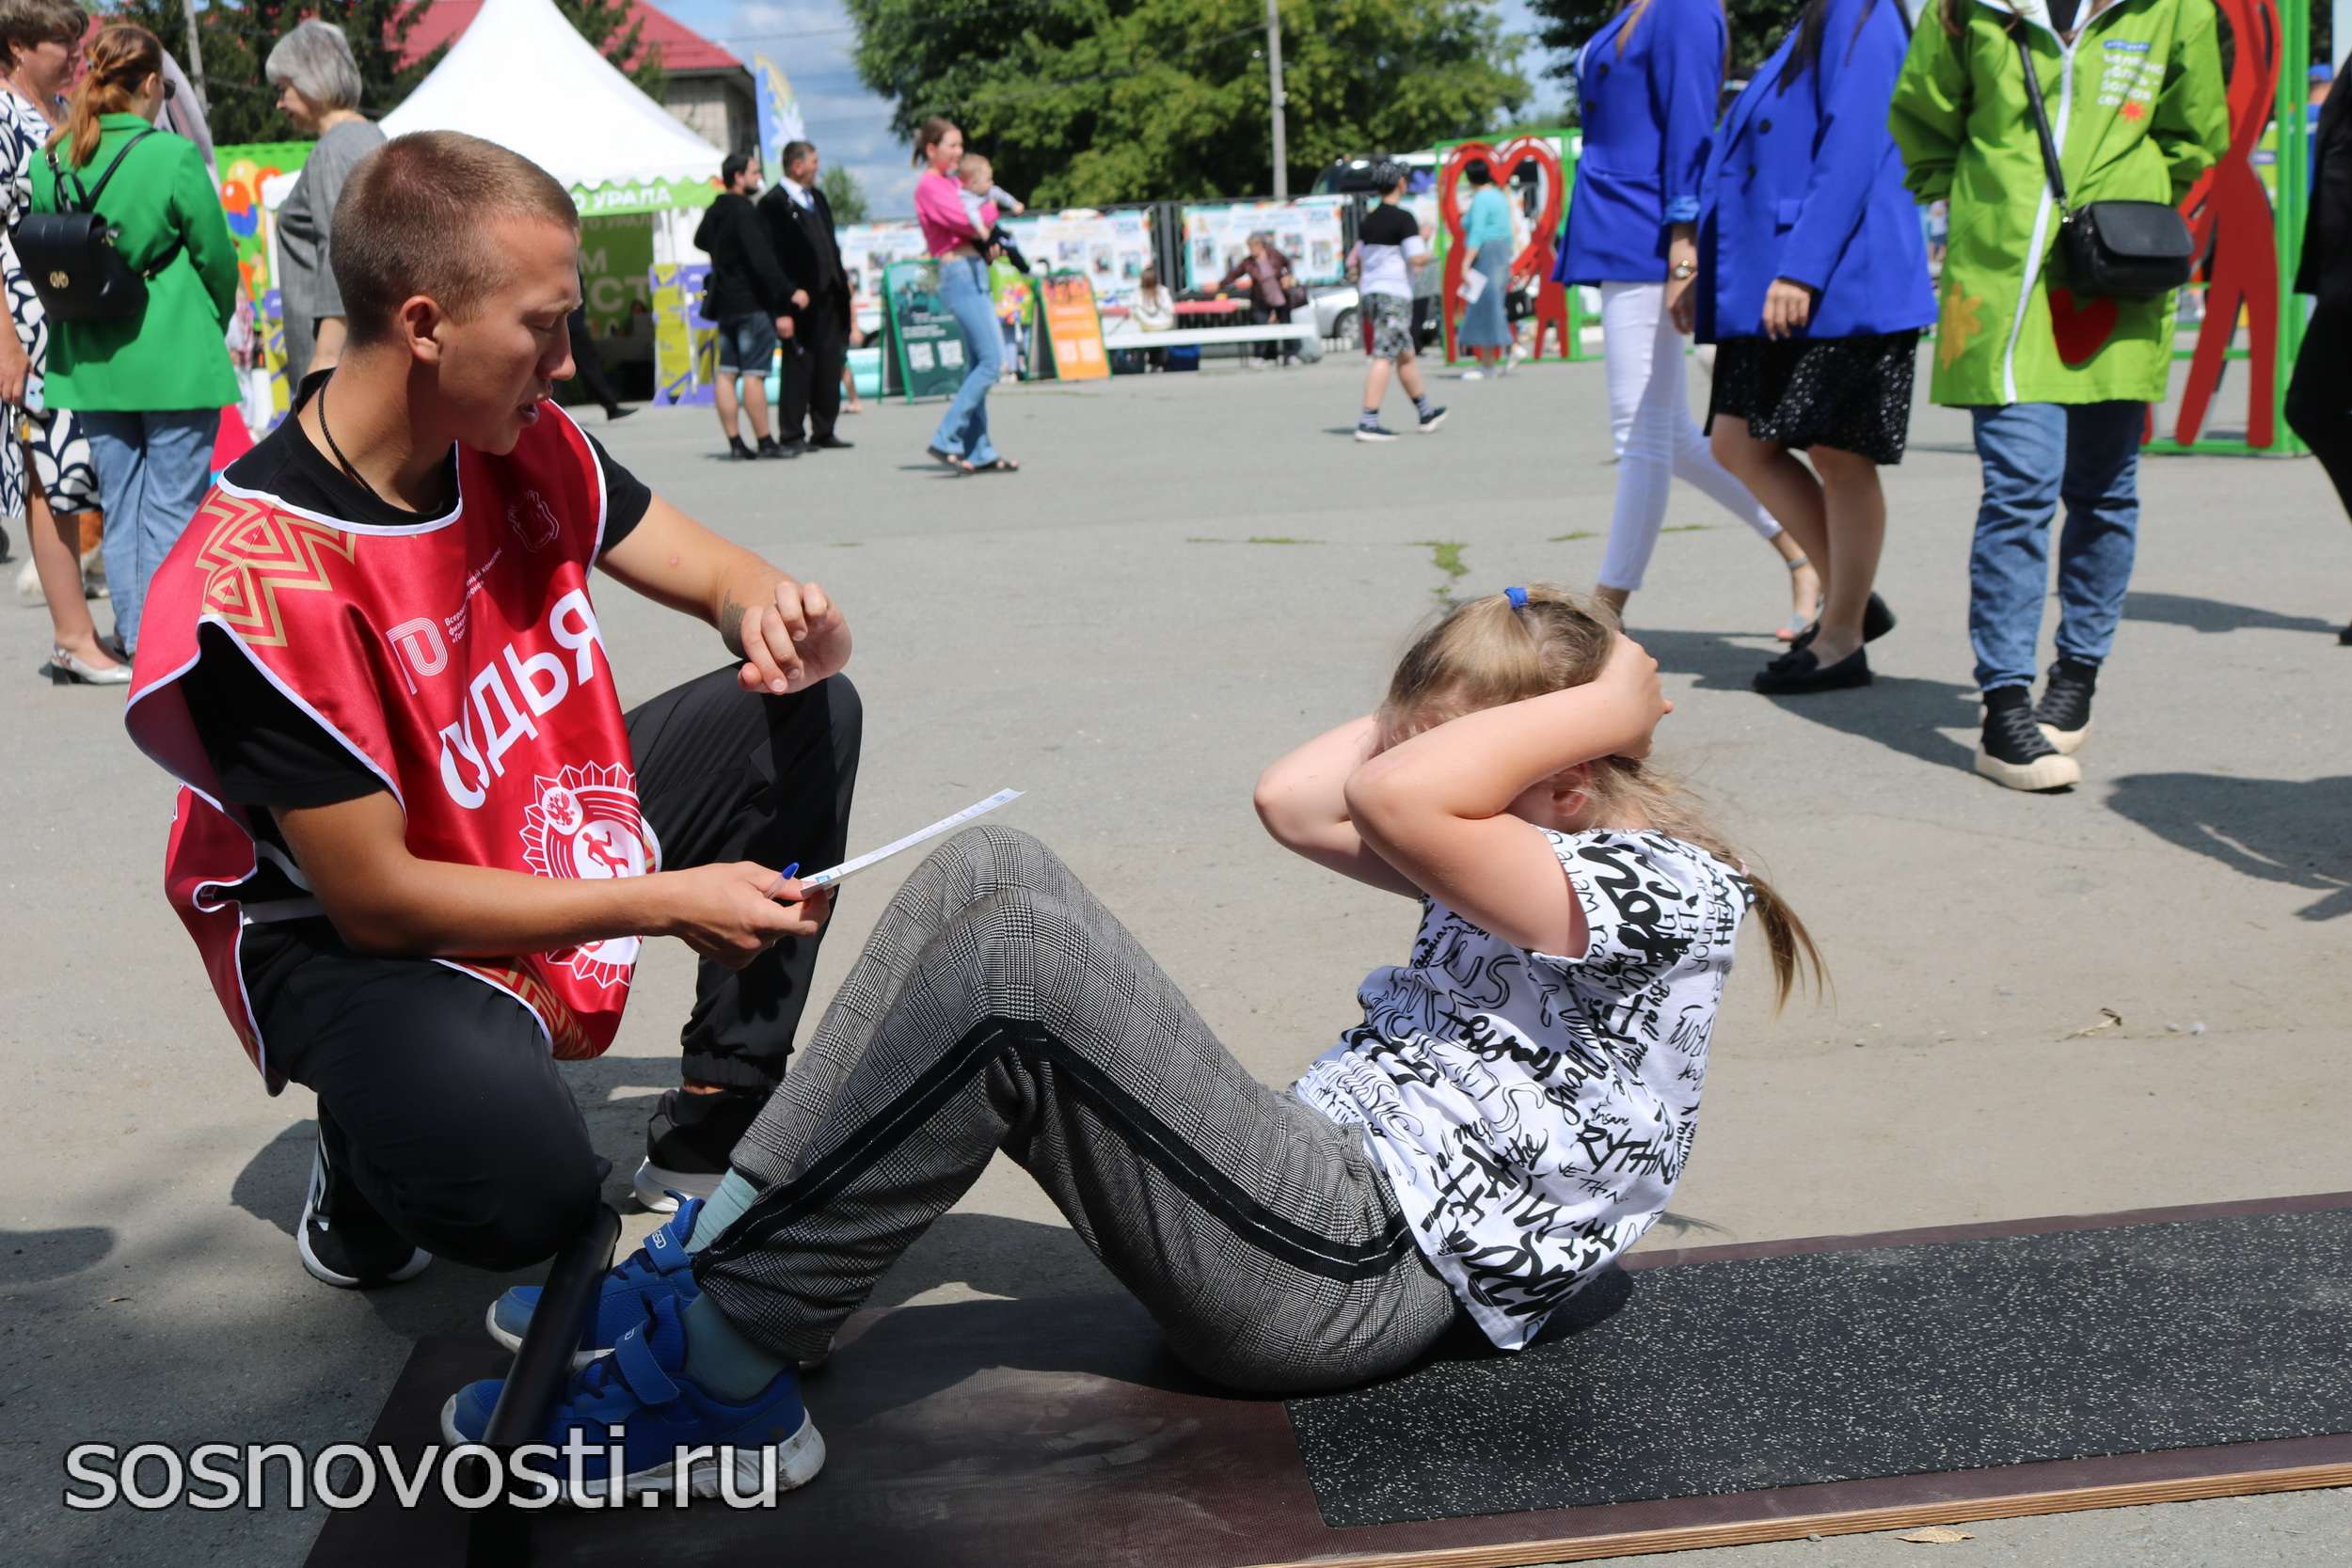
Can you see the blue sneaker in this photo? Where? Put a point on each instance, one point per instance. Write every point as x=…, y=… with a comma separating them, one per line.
x=756, y=1450
x=658, y=1270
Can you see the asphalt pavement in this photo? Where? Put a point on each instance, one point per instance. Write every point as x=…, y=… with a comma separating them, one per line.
x=2127, y=996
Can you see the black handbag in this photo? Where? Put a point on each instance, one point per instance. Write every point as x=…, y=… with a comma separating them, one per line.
x=2110, y=249
x=70, y=256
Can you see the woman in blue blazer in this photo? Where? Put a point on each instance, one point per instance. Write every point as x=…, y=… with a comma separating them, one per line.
x=1649, y=83
x=1813, y=282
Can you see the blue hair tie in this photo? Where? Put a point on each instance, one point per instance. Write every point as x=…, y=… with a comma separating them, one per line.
x=1517, y=598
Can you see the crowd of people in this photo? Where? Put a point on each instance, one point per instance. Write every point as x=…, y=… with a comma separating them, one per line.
x=1785, y=232
x=420, y=862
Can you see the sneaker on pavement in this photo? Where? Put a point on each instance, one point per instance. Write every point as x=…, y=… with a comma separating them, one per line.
x=659, y=1269
x=1432, y=419
x=1473, y=375
x=2064, y=710
x=343, y=1240
x=762, y=1447
x=737, y=450
x=1374, y=432
x=2014, y=752
x=688, y=1140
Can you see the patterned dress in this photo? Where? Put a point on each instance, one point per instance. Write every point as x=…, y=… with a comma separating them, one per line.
x=60, y=452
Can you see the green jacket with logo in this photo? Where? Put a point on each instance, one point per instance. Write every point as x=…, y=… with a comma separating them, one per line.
x=171, y=357
x=2138, y=104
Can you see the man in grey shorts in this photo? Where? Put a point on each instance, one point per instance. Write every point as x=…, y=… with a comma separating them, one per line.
x=1388, y=251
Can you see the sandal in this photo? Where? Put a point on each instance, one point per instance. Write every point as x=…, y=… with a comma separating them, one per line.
x=948, y=460
x=997, y=466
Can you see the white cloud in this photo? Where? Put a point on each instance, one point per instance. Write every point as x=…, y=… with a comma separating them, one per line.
x=811, y=40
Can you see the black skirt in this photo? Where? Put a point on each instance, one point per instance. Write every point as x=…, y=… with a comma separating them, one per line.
x=1852, y=393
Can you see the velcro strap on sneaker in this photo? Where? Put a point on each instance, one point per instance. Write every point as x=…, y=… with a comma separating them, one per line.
x=668, y=1253
x=641, y=1372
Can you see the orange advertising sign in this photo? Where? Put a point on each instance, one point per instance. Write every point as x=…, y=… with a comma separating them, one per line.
x=1073, y=326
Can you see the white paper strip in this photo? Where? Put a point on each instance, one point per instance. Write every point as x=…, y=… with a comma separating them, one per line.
x=850, y=868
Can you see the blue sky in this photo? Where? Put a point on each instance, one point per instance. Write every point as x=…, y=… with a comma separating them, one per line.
x=812, y=38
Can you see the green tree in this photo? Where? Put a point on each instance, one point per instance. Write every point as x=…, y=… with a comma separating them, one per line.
x=1088, y=102
x=237, y=39
x=843, y=194
x=1757, y=26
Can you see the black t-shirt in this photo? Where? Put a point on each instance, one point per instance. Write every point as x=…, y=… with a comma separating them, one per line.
x=265, y=750
x=1388, y=224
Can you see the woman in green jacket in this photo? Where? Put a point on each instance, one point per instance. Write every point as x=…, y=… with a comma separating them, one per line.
x=150, y=389
x=2057, y=385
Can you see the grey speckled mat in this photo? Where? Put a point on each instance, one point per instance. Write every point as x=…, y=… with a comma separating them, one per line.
x=1713, y=1378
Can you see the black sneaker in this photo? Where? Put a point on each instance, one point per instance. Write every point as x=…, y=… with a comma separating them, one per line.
x=2064, y=711
x=1793, y=674
x=737, y=450
x=688, y=1140
x=2014, y=752
x=1432, y=419
x=784, y=448
x=768, y=448
x=1374, y=432
x=343, y=1241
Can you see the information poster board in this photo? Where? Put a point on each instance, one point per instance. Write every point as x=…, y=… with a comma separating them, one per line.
x=926, y=343
x=685, y=347
x=1073, y=326
x=1110, y=248
x=866, y=248
x=616, y=262
x=1310, y=230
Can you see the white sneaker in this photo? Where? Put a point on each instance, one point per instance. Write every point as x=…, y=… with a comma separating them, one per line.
x=1473, y=375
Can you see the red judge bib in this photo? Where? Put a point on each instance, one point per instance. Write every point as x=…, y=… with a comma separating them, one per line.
x=459, y=659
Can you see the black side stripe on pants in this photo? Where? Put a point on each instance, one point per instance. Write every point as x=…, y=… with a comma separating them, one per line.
x=778, y=1207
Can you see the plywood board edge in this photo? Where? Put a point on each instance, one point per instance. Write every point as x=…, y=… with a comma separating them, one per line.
x=1748, y=1532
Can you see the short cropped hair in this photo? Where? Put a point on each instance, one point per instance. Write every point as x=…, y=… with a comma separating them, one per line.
x=26, y=23
x=731, y=167
x=315, y=60
x=972, y=163
x=794, y=152
x=410, y=223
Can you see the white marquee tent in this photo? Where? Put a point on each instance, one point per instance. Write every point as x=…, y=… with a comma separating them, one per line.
x=523, y=76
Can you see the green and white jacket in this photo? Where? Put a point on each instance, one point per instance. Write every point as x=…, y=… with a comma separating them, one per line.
x=2138, y=104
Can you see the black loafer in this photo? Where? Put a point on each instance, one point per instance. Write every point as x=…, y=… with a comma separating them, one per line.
x=1877, y=621
x=830, y=443
x=1794, y=673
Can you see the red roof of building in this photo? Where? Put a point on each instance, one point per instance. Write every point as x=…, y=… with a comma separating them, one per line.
x=682, y=48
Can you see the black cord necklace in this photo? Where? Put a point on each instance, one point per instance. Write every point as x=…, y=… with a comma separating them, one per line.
x=349, y=468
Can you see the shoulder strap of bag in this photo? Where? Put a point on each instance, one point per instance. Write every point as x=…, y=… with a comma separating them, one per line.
x=91, y=200
x=87, y=199
x=2040, y=119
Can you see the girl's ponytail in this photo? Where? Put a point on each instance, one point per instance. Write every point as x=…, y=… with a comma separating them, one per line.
x=121, y=57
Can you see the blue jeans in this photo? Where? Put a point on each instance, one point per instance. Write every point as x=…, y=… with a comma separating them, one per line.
x=2035, y=455
x=964, y=429
x=152, y=472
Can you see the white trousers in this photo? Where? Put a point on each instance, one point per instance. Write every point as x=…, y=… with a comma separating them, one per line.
x=1650, y=424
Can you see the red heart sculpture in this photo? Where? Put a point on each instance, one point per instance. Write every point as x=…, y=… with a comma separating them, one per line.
x=1535, y=259
x=2081, y=327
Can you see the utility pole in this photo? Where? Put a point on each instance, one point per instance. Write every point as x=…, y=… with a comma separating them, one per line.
x=196, y=66
x=1274, y=84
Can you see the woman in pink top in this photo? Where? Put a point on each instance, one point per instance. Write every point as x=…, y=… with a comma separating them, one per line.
x=958, y=241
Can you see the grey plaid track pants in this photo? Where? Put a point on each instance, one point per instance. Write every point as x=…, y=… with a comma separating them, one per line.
x=998, y=1006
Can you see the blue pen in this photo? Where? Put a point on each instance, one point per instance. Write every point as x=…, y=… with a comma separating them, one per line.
x=783, y=877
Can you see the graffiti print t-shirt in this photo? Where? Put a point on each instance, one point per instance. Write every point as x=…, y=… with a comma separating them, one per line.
x=1532, y=1111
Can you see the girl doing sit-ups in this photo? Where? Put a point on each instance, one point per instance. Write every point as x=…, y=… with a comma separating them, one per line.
x=1511, y=1113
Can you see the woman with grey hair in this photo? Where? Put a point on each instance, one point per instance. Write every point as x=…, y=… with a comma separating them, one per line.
x=318, y=88
x=1267, y=272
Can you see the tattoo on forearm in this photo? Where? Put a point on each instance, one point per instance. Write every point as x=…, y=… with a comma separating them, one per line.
x=731, y=623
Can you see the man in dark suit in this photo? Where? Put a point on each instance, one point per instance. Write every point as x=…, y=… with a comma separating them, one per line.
x=800, y=228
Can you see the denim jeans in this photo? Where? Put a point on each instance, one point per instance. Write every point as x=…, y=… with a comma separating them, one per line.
x=152, y=472
x=964, y=429
x=2034, y=455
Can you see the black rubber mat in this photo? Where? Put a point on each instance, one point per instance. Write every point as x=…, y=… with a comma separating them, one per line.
x=1727, y=1377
